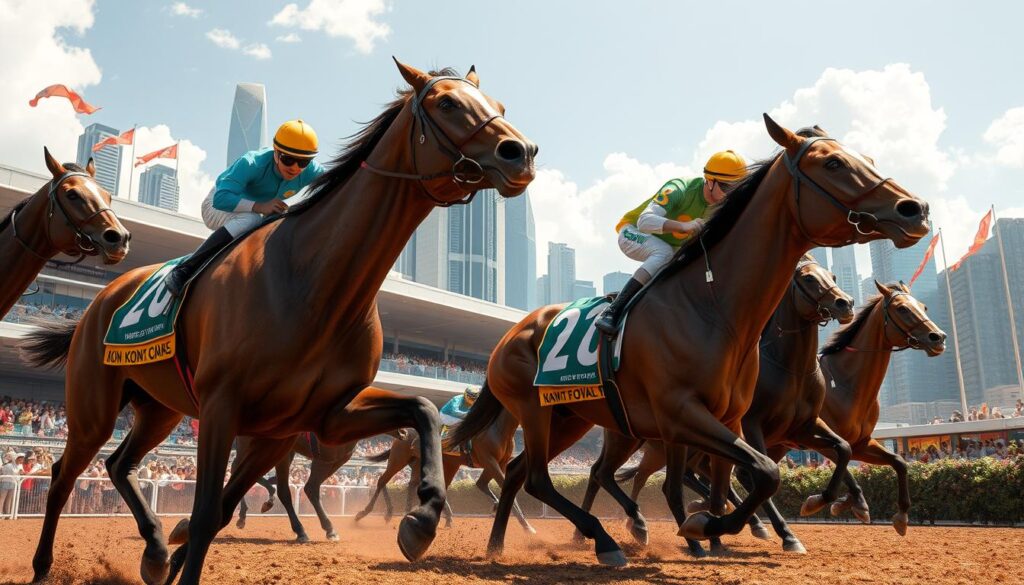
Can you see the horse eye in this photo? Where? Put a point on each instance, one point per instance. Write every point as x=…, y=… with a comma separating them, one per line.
x=903, y=310
x=73, y=196
x=447, y=104
x=833, y=164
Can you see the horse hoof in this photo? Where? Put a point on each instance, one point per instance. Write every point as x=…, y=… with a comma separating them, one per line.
x=302, y=539
x=639, y=533
x=361, y=515
x=266, y=506
x=578, y=538
x=695, y=525
x=333, y=536
x=841, y=505
x=899, y=522
x=414, y=536
x=41, y=568
x=718, y=550
x=697, y=551
x=794, y=546
x=155, y=571
x=240, y=524
x=761, y=532
x=494, y=551
x=812, y=505
x=180, y=533
x=612, y=558
x=697, y=506
x=862, y=514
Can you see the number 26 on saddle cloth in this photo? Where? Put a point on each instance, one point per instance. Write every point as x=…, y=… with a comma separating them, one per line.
x=141, y=330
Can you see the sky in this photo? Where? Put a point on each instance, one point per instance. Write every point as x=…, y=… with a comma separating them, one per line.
x=619, y=96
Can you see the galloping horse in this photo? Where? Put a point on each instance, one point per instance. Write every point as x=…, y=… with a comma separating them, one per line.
x=787, y=399
x=282, y=331
x=69, y=214
x=690, y=352
x=489, y=451
x=854, y=363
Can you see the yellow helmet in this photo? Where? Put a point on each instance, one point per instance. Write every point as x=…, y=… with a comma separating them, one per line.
x=725, y=166
x=296, y=138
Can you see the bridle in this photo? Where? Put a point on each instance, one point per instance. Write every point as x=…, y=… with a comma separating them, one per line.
x=465, y=172
x=85, y=245
x=908, y=338
x=824, y=314
x=855, y=218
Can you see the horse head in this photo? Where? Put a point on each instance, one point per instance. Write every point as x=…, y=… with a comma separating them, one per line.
x=841, y=198
x=907, y=323
x=79, y=219
x=817, y=296
x=460, y=141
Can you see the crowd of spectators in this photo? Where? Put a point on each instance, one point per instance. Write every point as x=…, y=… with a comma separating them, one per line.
x=451, y=365
x=32, y=417
x=983, y=412
x=967, y=449
x=29, y=309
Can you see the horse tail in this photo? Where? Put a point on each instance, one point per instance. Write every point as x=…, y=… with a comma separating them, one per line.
x=626, y=473
x=48, y=345
x=484, y=413
x=379, y=457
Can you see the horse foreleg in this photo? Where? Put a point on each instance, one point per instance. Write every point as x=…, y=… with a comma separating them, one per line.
x=790, y=542
x=283, y=470
x=676, y=475
x=318, y=473
x=873, y=452
x=616, y=450
x=822, y=439
x=153, y=423
x=374, y=411
x=493, y=470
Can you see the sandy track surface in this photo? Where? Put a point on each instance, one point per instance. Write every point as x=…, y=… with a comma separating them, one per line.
x=95, y=550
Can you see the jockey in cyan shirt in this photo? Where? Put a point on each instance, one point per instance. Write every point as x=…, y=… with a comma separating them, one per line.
x=255, y=186
x=455, y=410
x=654, y=230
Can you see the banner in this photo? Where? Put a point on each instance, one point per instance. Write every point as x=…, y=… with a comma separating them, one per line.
x=125, y=138
x=169, y=152
x=979, y=239
x=58, y=90
x=927, y=256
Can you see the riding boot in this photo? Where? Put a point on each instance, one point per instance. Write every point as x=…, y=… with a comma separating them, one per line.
x=178, y=278
x=608, y=322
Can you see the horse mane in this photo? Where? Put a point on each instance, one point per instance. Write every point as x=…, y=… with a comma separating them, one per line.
x=842, y=338
x=358, y=148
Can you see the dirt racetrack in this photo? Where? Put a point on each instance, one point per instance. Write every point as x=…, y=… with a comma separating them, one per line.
x=107, y=550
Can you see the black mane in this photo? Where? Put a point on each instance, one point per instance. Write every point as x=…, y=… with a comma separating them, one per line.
x=358, y=148
x=842, y=338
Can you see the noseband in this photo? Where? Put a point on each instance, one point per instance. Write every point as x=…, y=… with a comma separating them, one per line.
x=853, y=217
x=84, y=243
x=465, y=172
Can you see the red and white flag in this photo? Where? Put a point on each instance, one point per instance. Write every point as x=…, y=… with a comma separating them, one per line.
x=125, y=138
x=168, y=152
x=927, y=256
x=58, y=90
x=979, y=239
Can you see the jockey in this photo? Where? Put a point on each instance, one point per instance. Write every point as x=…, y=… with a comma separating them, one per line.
x=654, y=230
x=456, y=409
x=255, y=186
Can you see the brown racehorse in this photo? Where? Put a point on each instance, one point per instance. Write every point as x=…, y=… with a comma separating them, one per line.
x=70, y=214
x=787, y=400
x=324, y=461
x=690, y=351
x=490, y=451
x=282, y=331
x=854, y=363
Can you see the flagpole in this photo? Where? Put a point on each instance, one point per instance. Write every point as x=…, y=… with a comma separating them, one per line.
x=956, y=337
x=177, y=167
x=131, y=162
x=1009, y=302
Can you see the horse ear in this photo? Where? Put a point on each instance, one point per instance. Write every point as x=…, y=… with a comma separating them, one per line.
x=472, y=77
x=90, y=167
x=783, y=137
x=904, y=286
x=820, y=129
x=886, y=291
x=56, y=169
x=414, y=77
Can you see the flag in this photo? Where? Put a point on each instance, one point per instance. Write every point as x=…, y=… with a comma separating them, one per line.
x=168, y=152
x=979, y=239
x=125, y=138
x=927, y=256
x=59, y=90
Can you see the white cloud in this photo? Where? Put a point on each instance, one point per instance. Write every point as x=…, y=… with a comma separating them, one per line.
x=1007, y=134
x=353, y=19
x=193, y=183
x=289, y=38
x=36, y=50
x=182, y=9
x=223, y=39
x=257, y=50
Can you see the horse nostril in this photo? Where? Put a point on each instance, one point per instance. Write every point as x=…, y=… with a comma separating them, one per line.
x=511, y=150
x=843, y=304
x=936, y=337
x=909, y=208
x=111, y=236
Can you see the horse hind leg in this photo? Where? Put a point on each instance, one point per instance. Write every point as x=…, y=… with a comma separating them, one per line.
x=615, y=452
x=284, y=493
x=153, y=423
x=318, y=473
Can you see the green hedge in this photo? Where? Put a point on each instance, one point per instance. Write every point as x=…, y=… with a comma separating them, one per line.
x=982, y=490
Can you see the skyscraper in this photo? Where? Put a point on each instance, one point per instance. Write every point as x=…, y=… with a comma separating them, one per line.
x=844, y=266
x=543, y=291
x=614, y=281
x=520, y=253
x=460, y=249
x=820, y=256
x=107, y=160
x=248, y=128
x=561, y=273
x=891, y=264
x=158, y=186
x=583, y=288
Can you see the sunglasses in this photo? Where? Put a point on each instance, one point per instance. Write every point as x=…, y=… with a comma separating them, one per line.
x=289, y=160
